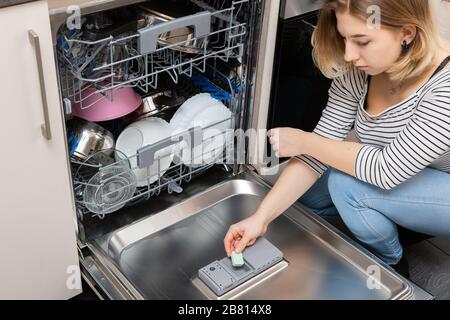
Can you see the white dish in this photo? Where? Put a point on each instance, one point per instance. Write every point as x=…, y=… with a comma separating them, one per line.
x=143, y=133
x=216, y=122
x=190, y=108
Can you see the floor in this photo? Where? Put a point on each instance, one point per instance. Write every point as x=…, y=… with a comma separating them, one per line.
x=429, y=262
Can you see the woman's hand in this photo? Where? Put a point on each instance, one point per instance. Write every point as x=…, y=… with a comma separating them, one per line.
x=244, y=233
x=287, y=142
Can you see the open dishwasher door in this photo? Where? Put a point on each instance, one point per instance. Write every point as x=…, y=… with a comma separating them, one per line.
x=159, y=256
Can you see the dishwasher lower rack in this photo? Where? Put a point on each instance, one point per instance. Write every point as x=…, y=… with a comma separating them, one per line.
x=108, y=180
x=88, y=68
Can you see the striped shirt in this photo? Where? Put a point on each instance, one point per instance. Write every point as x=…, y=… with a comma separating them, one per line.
x=399, y=142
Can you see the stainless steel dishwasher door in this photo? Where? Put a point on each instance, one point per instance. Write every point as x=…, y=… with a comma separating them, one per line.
x=160, y=255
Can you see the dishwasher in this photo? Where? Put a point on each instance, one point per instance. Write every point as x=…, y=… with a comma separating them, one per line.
x=149, y=240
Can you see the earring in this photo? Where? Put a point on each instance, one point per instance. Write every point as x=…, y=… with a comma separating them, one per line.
x=405, y=46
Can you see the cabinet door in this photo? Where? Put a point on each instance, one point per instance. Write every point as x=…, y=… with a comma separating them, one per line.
x=38, y=251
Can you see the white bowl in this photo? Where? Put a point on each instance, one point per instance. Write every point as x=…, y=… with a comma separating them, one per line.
x=143, y=133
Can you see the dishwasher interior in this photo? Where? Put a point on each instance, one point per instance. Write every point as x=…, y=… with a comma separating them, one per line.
x=155, y=188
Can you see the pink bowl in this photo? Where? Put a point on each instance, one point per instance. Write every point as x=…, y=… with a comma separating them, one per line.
x=97, y=107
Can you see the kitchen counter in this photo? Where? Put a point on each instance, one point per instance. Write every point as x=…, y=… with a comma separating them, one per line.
x=7, y=3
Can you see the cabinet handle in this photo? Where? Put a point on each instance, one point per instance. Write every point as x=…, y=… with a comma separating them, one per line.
x=45, y=128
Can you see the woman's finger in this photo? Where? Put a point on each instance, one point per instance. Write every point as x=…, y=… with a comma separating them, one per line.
x=241, y=244
x=229, y=240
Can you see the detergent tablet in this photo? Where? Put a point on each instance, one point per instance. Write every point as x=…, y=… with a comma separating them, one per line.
x=237, y=259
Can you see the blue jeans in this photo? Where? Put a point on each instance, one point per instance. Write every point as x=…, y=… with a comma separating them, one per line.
x=421, y=204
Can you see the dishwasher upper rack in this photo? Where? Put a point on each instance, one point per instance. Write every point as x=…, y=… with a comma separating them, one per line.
x=137, y=60
x=94, y=175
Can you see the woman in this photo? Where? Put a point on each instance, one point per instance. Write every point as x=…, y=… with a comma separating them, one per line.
x=391, y=83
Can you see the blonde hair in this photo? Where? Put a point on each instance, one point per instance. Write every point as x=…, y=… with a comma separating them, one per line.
x=329, y=46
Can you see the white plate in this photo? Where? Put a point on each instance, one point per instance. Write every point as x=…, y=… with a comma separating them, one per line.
x=143, y=133
x=215, y=136
x=190, y=108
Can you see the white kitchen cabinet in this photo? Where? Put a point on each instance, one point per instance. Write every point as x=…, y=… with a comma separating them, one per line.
x=37, y=228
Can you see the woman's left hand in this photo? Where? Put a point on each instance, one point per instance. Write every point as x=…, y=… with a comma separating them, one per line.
x=287, y=142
